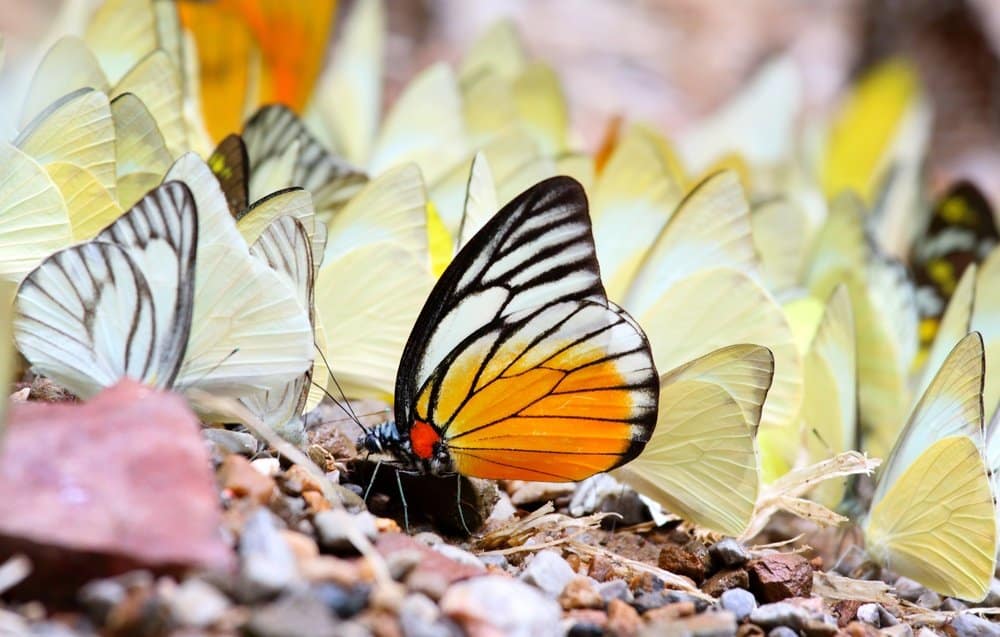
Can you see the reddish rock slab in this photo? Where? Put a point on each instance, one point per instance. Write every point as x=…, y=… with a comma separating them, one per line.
x=781, y=575
x=90, y=490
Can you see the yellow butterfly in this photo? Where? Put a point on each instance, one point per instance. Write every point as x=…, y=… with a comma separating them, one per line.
x=933, y=517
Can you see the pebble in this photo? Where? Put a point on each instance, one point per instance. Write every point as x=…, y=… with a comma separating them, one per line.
x=585, y=627
x=899, y=630
x=615, y=589
x=344, y=601
x=498, y=605
x=237, y=475
x=267, y=561
x=690, y=560
x=782, y=631
x=740, y=602
x=930, y=599
x=531, y=492
x=419, y=616
x=993, y=596
x=428, y=539
x=778, y=576
x=780, y=614
x=459, y=555
x=908, y=589
x=710, y=624
x=494, y=560
x=197, y=604
x=548, y=571
x=581, y=592
x=623, y=620
x=966, y=625
x=333, y=528
x=952, y=604
x=729, y=552
x=226, y=441
x=99, y=597
x=293, y=616
x=725, y=580
x=927, y=632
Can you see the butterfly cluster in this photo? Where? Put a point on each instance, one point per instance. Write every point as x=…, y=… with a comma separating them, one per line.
x=701, y=317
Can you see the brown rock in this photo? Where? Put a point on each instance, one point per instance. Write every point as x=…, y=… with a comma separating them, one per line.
x=779, y=576
x=580, y=593
x=238, y=476
x=623, y=620
x=121, y=482
x=690, y=560
x=710, y=624
x=303, y=546
x=588, y=616
x=860, y=629
x=724, y=580
x=315, y=501
x=297, y=480
x=845, y=611
x=428, y=561
x=603, y=568
x=669, y=612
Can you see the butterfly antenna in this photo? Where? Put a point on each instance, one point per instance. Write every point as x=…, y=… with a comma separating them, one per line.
x=343, y=396
x=371, y=481
x=458, y=499
x=402, y=498
x=343, y=404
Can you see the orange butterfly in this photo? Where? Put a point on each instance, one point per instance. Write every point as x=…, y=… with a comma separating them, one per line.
x=518, y=366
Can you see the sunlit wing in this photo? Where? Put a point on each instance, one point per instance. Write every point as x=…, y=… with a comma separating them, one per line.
x=986, y=319
x=936, y=524
x=68, y=65
x=781, y=234
x=542, y=106
x=157, y=82
x=118, y=306
x=840, y=250
x=701, y=461
x=121, y=33
x=481, y=200
x=141, y=155
x=518, y=362
x=34, y=222
x=498, y=50
x=955, y=324
x=91, y=208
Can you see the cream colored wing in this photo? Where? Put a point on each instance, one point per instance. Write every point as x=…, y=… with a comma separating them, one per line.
x=68, y=65
x=291, y=202
x=141, y=154
x=348, y=101
x=425, y=126
x=720, y=307
x=121, y=33
x=480, y=200
x=91, y=208
x=77, y=129
x=830, y=397
x=986, y=319
x=215, y=223
x=8, y=362
x=637, y=190
x=157, y=82
x=710, y=229
x=840, y=250
x=34, y=222
x=499, y=50
x=951, y=406
x=701, y=462
x=118, y=306
x=781, y=233
x=936, y=524
x=542, y=107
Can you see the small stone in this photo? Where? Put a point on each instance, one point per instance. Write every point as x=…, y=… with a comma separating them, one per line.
x=993, y=596
x=780, y=614
x=531, y=492
x=197, y=604
x=820, y=628
x=432, y=583
x=725, y=580
x=749, y=630
x=908, y=589
x=419, y=617
x=782, y=631
x=966, y=625
x=402, y=563
x=623, y=620
x=930, y=599
x=316, y=502
x=428, y=539
x=778, y=576
x=293, y=616
x=846, y=611
x=739, y=602
x=602, y=568
x=927, y=632
x=226, y=442
x=615, y=589
x=327, y=568
x=860, y=629
x=334, y=527
x=504, y=605
x=268, y=563
x=669, y=612
x=298, y=480
x=952, y=604
x=868, y=613
x=99, y=597
x=729, y=552
x=711, y=624
x=242, y=480
x=494, y=561
x=581, y=592
x=690, y=560
x=548, y=571
x=587, y=621
x=343, y=601
x=899, y=630
x=459, y=555
x=269, y=467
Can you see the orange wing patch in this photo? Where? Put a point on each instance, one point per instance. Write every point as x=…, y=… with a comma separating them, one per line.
x=274, y=46
x=546, y=407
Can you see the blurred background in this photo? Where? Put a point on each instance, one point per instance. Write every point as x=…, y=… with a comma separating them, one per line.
x=671, y=62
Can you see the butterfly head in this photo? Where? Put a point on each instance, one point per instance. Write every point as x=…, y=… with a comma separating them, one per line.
x=421, y=449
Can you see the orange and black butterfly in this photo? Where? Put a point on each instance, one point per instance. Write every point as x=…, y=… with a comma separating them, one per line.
x=961, y=231
x=518, y=366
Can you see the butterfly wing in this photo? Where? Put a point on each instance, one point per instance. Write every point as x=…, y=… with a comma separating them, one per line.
x=701, y=461
x=141, y=155
x=231, y=166
x=518, y=361
x=118, y=306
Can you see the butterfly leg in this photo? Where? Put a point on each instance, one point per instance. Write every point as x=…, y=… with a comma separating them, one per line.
x=371, y=481
x=458, y=501
x=402, y=498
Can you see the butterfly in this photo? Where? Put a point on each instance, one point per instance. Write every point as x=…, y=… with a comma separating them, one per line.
x=961, y=231
x=156, y=295
x=7, y=354
x=518, y=367
x=933, y=517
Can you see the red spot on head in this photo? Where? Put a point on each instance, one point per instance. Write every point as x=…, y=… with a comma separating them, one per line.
x=422, y=439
